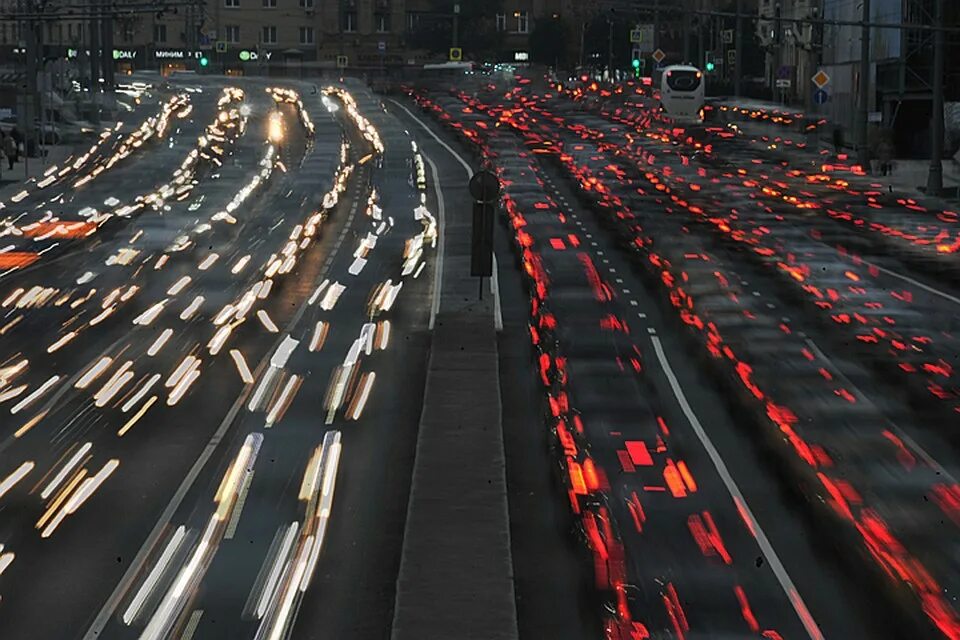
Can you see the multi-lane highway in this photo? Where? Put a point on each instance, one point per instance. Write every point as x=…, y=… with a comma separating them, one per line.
x=726, y=368
x=746, y=352
x=213, y=332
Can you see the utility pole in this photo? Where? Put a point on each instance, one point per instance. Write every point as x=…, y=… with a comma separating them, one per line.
x=456, y=25
x=94, y=36
x=610, y=50
x=106, y=38
x=863, y=149
x=935, y=176
x=738, y=51
x=31, y=55
x=656, y=24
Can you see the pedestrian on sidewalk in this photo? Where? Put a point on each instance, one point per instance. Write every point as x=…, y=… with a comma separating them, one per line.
x=885, y=156
x=10, y=150
x=838, y=140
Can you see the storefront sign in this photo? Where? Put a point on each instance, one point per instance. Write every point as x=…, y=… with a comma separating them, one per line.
x=247, y=55
x=176, y=54
x=124, y=54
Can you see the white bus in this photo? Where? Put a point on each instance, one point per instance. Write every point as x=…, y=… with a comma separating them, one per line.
x=681, y=93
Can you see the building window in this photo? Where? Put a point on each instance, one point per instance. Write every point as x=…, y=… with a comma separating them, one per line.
x=349, y=21
x=306, y=4
x=522, y=23
x=306, y=35
x=268, y=35
x=60, y=33
x=413, y=20
x=382, y=22
x=501, y=22
x=160, y=33
x=231, y=4
x=269, y=4
x=231, y=33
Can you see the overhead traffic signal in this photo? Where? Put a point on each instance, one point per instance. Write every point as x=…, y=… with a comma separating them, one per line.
x=636, y=61
x=204, y=61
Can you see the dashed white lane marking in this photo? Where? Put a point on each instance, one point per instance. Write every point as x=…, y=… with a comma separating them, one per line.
x=769, y=554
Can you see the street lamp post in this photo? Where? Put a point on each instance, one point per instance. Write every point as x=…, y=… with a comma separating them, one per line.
x=935, y=176
x=863, y=150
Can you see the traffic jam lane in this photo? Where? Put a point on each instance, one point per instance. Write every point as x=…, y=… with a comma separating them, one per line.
x=823, y=407
x=594, y=398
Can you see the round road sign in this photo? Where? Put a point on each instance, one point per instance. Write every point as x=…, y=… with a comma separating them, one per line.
x=484, y=186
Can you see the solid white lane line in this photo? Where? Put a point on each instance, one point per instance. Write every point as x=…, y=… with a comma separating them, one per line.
x=495, y=281
x=916, y=283
x=769, y=554
x=466, y=165
x=441, y=231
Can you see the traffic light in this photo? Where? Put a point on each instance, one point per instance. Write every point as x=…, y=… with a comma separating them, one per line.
x=711, y=66
x=204, y=61
x=708, y=63
x=636, y=61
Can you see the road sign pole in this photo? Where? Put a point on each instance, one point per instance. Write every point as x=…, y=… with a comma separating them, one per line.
x=738, y=48
x=863, y=151
x=935, y=175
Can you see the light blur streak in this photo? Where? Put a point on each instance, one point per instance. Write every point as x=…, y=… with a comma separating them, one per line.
x=177, y=392
x=267, y=322
x=275, y=414
x=16, y=476
x=64, y=339
x=75, y=459
x=151, y=581
x=242, y=367
x=191, y=309
x=383, y=334
x=241, y=263
x=282, y=355
x=179, y=285
x=319, y=290
x=219, y=338
x=269, y=589
x=159, y=342
x=12, y=393
x=357, y=266
x=150, y=314
x=135, y=417
x=86, y=489
x=187, y=364
x=332, y=295
x=261, y=390
x=9, y=372
x=319, y=336
x=360, y=399
x=5, y=560
x=208, y=261
x=39, y=391
x=116, y=382
x=93, y=373
x=141, y=392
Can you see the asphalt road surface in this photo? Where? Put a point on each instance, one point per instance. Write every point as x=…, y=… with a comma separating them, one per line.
x=204, y=326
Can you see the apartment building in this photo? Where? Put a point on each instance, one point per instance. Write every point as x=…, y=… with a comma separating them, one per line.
x=284, y=36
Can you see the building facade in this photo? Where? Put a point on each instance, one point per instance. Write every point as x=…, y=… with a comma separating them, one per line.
x=277, y=36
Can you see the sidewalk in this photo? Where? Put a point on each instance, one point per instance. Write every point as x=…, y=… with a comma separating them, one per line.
x=27, y=169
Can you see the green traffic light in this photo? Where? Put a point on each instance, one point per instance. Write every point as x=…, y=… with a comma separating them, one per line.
x=711, y=66
x=204, y=61
x=636, y=63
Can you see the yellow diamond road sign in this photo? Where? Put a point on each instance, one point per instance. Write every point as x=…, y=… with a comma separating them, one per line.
x=659, y=55
x=821, y=79
x=456, y=54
